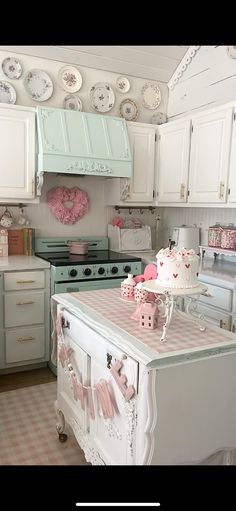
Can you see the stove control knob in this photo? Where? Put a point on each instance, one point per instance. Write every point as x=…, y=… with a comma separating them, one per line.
x=101, y=270
x=87, y=271
x=127, y=269
x=114, y=269
x=73, y=273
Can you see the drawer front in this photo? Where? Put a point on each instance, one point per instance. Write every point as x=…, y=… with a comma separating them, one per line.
x=25, y=344
x=214, y=316
x=218, y=297
x=24, y=280
x=23, y=308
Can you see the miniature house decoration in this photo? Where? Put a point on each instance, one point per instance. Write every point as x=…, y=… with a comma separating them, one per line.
x=148, y=316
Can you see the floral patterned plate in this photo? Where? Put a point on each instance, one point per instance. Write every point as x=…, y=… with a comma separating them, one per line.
x=70, y=79
x=12, y=68
x=151, y=95
x=72, y=102
x=123, y=84
x=102, y=97
x=7, y=93
x=128, y=109
x=38, y=85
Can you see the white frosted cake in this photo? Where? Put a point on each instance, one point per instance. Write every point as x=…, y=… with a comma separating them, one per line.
x=177, y=268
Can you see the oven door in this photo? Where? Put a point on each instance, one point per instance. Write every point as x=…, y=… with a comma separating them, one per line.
x=87, y=285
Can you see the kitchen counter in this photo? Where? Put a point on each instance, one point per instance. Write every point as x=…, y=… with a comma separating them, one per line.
x=166, y=403
x=218, y=272
x=22, y=262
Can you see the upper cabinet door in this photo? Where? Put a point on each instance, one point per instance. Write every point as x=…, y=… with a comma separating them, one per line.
x=232, y=169
x=209, y=161
x=174, y=145
x=142, y=144
x=17, y=153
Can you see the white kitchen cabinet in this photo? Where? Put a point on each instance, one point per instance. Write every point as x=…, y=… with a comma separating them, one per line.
x=232, y=169
x=216, y=305
x=24, y=318
x=17, y=153
x=209, y=158
x=173, y=161
x=140, y=188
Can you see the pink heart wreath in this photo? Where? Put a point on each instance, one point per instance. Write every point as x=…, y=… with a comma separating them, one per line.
x=60, y=194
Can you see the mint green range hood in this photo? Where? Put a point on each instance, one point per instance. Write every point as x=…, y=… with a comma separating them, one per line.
x=82, y=143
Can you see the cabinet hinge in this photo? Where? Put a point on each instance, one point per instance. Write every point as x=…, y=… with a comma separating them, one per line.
x=234, y=116
x=188, y=192
x=228, y=191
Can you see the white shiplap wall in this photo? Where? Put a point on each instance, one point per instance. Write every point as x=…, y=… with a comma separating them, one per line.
x=209, y=80
x=95, y=221
x=202, y=217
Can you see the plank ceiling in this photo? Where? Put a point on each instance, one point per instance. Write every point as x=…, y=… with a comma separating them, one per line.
x=149, y=62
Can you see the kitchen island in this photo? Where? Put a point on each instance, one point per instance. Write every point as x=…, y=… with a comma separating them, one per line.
x=131, y=399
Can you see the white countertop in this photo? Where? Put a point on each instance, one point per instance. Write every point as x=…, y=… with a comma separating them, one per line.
x=219, y=272
x=22, y=262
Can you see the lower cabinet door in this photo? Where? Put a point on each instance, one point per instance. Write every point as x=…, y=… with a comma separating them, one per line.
x=68, y=379
x=25, y=344
x=114, y=436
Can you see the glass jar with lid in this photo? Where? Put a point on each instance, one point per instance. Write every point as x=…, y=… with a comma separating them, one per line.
x=228, y=237
x=214, y=235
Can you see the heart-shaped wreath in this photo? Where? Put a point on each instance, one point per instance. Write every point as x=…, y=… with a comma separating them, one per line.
x=58, y=195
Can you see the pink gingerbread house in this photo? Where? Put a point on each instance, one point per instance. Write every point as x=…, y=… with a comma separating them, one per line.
x=148, y=315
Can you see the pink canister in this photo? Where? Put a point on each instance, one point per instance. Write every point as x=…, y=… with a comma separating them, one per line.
x=127, y=288
x=214, y=235
x=228, y=237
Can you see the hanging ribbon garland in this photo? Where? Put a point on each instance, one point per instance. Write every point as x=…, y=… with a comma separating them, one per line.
x=105, y=397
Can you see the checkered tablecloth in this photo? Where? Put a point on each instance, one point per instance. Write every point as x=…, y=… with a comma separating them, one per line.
x=182, y=334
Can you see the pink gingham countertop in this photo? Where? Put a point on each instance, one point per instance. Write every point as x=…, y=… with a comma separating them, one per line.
x=183, y=334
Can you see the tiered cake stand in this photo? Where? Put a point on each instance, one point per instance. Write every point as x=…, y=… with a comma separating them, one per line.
x=170, y=302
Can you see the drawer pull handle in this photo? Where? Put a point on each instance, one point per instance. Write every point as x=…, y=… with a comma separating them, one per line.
x=25, y=281
x=24, y=303
x=208, y=295
x=109, y=359
x=233, y=329
x=222, y=190
x=182, y=191
x=21, y=339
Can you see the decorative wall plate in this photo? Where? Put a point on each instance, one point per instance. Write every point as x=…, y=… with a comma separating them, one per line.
x=128, y=109
x=231, y=50
x=70, y=79
x=151, y=96
x=7, y=93
x=123, y=84
x=38, y=85
x=159, y=118
x=102, y=97
x=72, y=102
x=12, y=68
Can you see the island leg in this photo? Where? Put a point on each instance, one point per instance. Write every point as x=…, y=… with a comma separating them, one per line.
x=60, y=426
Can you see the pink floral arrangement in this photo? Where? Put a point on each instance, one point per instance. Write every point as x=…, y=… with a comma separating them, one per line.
x=58, y=195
